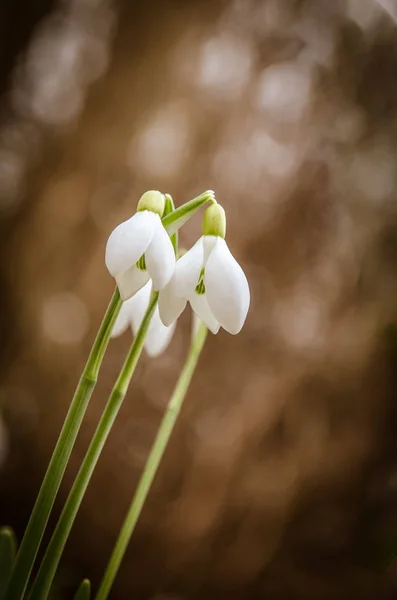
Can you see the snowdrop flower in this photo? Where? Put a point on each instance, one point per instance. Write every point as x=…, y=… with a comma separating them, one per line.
x=140, y=249
x=210, y=279
x=131, y=315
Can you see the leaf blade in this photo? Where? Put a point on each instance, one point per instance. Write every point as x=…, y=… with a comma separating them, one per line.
x=84, y=591
x=8, y=548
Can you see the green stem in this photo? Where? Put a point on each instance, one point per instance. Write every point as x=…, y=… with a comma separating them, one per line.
x=45, y=576
x=153, y=462
x=39, y=517
x=178, y=217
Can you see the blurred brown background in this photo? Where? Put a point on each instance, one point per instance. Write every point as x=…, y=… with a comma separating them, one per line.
x=281, y=478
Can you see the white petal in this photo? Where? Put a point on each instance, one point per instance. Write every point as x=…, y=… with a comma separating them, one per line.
x=158, y=336
x=209, y=242
x=131, y=281
x=200, y=306
x=170, y=305
x=138, y=306
x=129, y=241
x=160, y=258
x=122, y=322
x=226, y=288
x=187, y=269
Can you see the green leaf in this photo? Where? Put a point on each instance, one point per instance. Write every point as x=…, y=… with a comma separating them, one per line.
x=8, y=547
x=84, y=591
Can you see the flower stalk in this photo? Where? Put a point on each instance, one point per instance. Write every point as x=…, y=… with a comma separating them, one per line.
x=49, y=488
x=153, y=461
x=174, y=220
x=45, y=576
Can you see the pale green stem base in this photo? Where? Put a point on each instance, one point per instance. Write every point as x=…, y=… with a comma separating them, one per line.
x=45, y=576
x=152, y=463
x=38, y=520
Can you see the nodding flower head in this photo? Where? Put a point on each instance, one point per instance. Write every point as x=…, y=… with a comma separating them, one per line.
x=140, y=249
x=210, y=278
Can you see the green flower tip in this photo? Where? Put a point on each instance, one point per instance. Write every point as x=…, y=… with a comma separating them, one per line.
x=153, y=201
x=214, y=221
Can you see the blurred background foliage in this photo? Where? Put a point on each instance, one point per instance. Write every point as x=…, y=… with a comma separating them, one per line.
x=281, y=478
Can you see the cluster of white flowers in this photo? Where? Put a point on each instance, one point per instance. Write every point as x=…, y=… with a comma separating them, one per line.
x=141, y=257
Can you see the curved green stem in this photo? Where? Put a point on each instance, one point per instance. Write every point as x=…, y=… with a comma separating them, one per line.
x=152, y=463
x=178, y=217
x=45, y=576
x=38, y=520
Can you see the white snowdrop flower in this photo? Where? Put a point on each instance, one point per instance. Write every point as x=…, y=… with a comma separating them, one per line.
x=140, y=249
x=210, y=278
x=131, y=315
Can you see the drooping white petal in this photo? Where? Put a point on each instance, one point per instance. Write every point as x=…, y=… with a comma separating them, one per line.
x=132, y=312
x=187, y=269
x=209, y=242
x=129, y=241
x=123, y=320
x=200, y=306
x=170, y=305
x=158, y=336
x=138, y=306
x=131, y=281
x=160, y=258
x=227, y=288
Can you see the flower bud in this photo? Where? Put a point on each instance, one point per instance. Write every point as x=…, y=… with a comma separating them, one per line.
x=153, y=201
x=214, y=221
